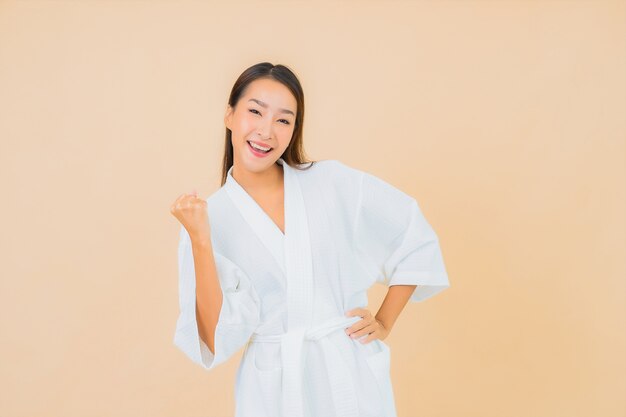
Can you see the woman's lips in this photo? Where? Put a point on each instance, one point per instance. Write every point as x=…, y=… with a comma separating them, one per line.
x=256, y=152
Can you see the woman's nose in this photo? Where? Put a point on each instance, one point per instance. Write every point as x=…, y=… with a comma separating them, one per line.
x=264, y=129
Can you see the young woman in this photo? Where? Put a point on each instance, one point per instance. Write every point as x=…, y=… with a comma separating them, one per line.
x=280, y=258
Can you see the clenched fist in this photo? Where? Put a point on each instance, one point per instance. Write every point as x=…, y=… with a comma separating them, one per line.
x=191, y=212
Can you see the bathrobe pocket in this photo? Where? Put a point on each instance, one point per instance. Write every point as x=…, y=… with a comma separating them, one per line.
x=379, y=363
x=260, y=390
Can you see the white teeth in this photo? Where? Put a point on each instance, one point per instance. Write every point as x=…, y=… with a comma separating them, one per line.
x=255, y=146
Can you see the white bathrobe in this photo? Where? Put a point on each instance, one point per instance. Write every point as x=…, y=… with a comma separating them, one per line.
x=285, y=295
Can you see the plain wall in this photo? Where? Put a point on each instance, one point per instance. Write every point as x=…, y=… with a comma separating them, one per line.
x=505, y=120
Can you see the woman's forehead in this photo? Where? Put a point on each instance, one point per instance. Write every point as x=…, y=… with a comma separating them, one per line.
x=272, y=94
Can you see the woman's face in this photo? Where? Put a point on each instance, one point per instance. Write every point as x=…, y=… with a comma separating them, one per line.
x=266, y=115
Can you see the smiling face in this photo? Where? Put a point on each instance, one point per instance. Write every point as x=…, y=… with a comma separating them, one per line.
x=266, y=115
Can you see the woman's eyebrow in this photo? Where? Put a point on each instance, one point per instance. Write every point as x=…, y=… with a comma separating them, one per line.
x=260, y=103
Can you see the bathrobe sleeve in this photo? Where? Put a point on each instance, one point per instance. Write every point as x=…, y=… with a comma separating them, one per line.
x=238, y=318
x=395, y=242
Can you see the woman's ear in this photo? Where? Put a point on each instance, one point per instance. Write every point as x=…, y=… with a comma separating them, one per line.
x=228, y=116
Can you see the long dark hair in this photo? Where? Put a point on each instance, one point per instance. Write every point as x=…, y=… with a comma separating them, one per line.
x=294, y=154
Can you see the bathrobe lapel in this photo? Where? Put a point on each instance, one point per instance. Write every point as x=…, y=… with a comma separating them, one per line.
x=298, y=259
x=263, y=226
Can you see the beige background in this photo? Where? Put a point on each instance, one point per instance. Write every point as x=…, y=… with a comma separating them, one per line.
x=506, y=120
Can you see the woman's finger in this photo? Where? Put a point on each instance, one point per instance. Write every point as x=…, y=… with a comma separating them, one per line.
x=356, y=326
x=361, y=312
x=173, y=205
x=356, y=312
x=178, y=200
x=359, y=325
x=370, y=337
x=370, y=328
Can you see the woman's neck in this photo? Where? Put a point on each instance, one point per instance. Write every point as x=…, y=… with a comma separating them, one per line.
x=265, y=181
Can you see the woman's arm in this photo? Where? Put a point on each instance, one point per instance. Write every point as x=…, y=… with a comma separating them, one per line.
x=395, y=300
x=208, y=291
x=379, y=326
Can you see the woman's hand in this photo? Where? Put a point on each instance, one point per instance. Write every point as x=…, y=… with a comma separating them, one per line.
x=370, y=326
x=191, y=212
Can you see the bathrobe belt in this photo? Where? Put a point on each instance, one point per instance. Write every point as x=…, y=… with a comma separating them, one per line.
x=340, y=382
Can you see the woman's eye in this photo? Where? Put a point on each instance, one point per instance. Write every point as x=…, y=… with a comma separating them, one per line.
x=286, y=122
